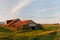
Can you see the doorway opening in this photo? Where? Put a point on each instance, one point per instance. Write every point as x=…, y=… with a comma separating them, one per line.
x=33, y=28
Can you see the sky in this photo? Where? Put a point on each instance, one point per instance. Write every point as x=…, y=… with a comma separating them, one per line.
x=40, y=11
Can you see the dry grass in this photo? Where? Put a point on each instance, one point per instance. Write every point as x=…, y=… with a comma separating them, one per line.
x=26, y=35
x=47, y=34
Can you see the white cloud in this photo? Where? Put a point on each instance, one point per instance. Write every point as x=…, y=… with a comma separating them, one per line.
x=20, y=6
x=8, y=13
x=57, y=14
x=54, y=18
x=49, y=21
x=47, y=9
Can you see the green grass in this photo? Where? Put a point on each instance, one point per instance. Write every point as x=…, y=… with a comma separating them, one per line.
x=2, y=29
x=6, y=34
x=34, y=35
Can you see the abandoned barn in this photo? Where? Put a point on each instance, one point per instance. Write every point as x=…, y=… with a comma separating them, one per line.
x=17, y=24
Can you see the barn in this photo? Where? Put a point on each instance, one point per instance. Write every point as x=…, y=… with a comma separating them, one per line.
x=17, y=24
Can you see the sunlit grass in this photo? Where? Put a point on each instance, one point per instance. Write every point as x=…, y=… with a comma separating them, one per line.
x=32, y=35
x=47, y=34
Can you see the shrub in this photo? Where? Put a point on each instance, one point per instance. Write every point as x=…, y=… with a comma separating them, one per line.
x=40, y=27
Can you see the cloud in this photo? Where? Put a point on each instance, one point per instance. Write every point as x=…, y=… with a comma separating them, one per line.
x=47, y=9
x=9, y=8
x=49, y=21
x=20, y=6
x=57, y=14
x=54, y=18
x=54, y=15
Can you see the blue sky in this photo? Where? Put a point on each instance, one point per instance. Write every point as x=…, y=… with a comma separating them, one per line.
x=40, y=11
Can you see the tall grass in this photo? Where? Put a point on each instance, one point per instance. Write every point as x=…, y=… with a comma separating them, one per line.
x=2, y=29
x=6, y=34
x=35, y=35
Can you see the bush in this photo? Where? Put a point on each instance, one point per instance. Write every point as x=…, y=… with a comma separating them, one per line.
x=40, y=27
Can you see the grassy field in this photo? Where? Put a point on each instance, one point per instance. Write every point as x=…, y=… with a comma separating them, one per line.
x=51, y=32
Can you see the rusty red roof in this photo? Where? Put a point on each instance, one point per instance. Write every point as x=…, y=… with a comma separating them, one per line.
x=20, y=23
x=13, y=20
